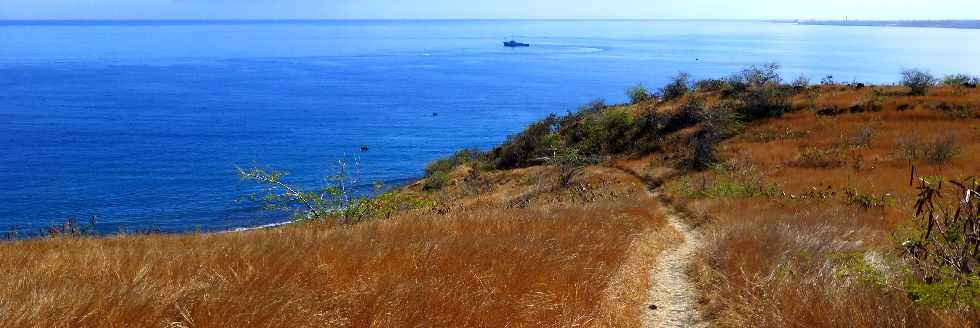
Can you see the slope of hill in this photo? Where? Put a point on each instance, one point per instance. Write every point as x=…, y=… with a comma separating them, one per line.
x=756, y=202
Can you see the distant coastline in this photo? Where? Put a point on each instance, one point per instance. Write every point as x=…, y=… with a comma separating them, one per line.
x=958, y=24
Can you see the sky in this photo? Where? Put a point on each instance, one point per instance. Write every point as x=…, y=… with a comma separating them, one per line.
x=489, y=9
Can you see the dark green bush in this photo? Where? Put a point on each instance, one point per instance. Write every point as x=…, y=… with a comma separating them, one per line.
x=679, y=86
x=687, y=115
x=763, y=101
x=757, y=92
x=638, y=94
x=523, y=149
x=958, y=80
x=436, y=181
x=710, y=85
x=448, y=164
x=702, y=152
x=593, y=106
x=614, y=131
x=605, y=132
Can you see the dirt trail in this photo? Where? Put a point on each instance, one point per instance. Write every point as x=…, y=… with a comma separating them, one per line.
x=673, y=299
x=673, y=293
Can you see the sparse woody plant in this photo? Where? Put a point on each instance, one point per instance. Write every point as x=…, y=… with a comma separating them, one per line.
x=335, y=201
x=918, y=81
x=678, y=86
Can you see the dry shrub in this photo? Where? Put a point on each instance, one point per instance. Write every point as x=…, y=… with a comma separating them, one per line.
x=820, y=158
x=940, y=150
x=861, y=138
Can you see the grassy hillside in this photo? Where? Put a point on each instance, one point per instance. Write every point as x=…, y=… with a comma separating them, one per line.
x=801, y=193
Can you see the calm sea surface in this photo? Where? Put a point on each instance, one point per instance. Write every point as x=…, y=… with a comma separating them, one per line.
x=143, y=124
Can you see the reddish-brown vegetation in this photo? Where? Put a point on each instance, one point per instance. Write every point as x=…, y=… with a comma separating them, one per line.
x=572, y=263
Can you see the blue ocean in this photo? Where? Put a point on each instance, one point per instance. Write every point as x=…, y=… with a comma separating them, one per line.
x=142, y=124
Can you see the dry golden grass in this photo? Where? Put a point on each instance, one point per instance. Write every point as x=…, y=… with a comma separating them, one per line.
x=575, y=262
x=795, y=260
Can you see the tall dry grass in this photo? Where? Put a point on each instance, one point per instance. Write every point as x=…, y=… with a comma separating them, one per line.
x=810, y=255
x=570, y=264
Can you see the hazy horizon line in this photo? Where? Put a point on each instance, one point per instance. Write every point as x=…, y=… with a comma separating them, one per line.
x=461, y=19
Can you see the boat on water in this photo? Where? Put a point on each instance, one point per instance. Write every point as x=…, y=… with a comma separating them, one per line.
x=515, y=44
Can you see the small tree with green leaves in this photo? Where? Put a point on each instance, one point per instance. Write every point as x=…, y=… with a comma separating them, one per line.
x=279, y=195
x=316, y=204
x=569, y=161
x=638, y=94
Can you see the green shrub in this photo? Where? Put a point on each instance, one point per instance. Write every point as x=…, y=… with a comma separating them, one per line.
x=868, y=200
x=436, y=181
x=689, y=114
x=448, y=164
x=614, y=131
x=569, y=163
x=757, y=92
x=763, y=101
x=523, y=149
x=918, y=81
x=381, y=207
x=731, y=180
x=594, y=133
x=679, y=86
x=942, y=149
x=957, y=80
x=946, y=292
x=710, y=85
x=755, y=77
x=593, y=106
x=702, y=152
x=638, y=94
x=722, y=121
x=944, y=243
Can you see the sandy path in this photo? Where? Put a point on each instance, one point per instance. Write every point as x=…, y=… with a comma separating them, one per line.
x=673, y=293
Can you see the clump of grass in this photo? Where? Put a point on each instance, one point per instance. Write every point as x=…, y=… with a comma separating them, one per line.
x=735, y=179
x=860, y=139
x=868, y=200
x=820, y=158
x=939, y=150
x=767, y=135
